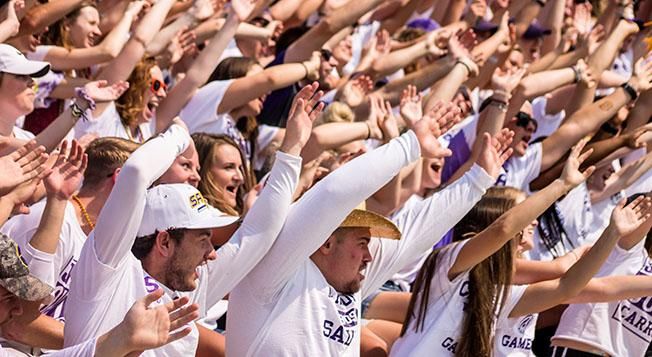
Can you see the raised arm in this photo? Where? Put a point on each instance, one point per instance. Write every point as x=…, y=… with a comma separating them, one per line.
x=203, y=66
x=63, y=59
x=43, y=15
x=331, y=24
x=541, y=296
x=312, y=219
x=589, y=119
x=10, y=25
x=119, y=220
x=490, y=240
x=266, y=217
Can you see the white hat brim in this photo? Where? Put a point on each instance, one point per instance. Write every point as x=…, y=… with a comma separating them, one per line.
x=211, y=219
x=28, y=68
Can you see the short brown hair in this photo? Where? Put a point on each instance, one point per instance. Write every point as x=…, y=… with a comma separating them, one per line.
x=104, y=156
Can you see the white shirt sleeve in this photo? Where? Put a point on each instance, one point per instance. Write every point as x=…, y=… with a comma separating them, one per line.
x=41, y=264
x=424, y=225
x=202, y=107
x=119, y=220
x=258, y=231
x=323, y=208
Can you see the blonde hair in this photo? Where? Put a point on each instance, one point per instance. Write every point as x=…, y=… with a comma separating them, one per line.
x=104, y=156
x=336, y=112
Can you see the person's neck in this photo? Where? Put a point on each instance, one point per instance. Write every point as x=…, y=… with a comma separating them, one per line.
x=92, y=202
x=7, y=125
x=155, y=270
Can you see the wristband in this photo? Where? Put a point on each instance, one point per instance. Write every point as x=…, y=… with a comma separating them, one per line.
x=498, y=104
x=630, y=90
x=307, y=70
x=81, y=93
x=468, y=69
x=77, y=112
x=578, y=77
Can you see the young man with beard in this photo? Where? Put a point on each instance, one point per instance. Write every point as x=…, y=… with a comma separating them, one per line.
x=310, y=285
x=168, y=229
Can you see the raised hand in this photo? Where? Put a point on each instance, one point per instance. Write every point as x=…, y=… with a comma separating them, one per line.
x=584, y=72
x=626, y=219
x=640, y=137
x=67, y=173
x=202, y=9
x=377, y=114
x=571, y=175
x=460, y=46
x=582, y=18
x=305, y=109
x=642, y=78
x=243, y=9
x=355, y=90
x=432, y=125
x=100, y=91
x=146, y=327
x=389, y=124
x=411, y=106
x=21, y=166
x=507, y=81
x=494, y=152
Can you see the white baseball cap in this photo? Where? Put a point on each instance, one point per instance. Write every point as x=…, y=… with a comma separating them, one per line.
x=179, y=206
x=14, y=62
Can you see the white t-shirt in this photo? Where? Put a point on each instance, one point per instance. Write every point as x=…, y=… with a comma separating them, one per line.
x=519, y=171
x=546, y=123
x=109, y=124
x=286, y=297
x=620, y=328
x=109, y=279
x=446, y=303
x=57, y=271
x=22, y=134
x=514, y=336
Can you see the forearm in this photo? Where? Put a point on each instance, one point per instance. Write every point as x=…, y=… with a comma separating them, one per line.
x=284, y=9
x=641, y=113
x=164, y=37
x=196, y=76
x=487, y=48
x=552, y=18
x=609, y=49
x=150, y=25
x=44, y=15
x=333, y=135
x=397, y=19
x=8, y=28
x=533, y=271
x=547, y=61
x=525, y=17
x=6, y=207
x=46, y=237
x=398, y=59
x=541, y=83
x=613, y=288
x=581, y=272
x=55, y=132
x=421, y=79
x=445, y=89
x=453, y=12
x=386, y=200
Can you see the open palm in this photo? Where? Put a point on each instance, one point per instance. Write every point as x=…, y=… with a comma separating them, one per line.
x=305, y=109
x=100, y=91
x=626, y=219
x=571, y=174
x=21, y=166
x=68, y=171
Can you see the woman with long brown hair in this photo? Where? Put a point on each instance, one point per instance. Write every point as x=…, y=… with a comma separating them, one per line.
x=225, y=177
x=466, y=287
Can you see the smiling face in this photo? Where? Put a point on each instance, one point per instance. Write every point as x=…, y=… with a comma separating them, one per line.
x=190, y=252
x=154, y=94
x=84, y=29
x=226, y=172
x=16, y=95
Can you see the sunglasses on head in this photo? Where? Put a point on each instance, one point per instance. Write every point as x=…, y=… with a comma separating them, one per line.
x=523, y=119
x=326, y=54
x=157, y=84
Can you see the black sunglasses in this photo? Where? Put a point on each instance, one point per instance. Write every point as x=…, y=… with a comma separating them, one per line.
x=523, y=119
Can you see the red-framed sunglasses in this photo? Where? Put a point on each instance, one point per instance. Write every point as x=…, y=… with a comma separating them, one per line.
x=156, y=86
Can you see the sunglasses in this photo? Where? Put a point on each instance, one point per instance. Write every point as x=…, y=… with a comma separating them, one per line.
x=523, y=119
x=326, y=54
x=157, y=84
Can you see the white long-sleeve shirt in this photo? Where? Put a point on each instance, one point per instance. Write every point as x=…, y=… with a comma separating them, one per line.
x=109, y=279
x=286, y=307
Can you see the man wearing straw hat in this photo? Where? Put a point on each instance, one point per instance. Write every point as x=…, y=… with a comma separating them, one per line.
x=304, y=297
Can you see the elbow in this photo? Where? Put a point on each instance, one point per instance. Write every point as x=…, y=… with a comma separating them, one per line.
x=134, y=172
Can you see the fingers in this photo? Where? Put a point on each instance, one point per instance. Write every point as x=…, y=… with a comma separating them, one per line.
x=23, y=150
x=153, y=296
x=588, y=172
x=315, y=113
x=183, y=316
x=585, y=155
x=174, y=305
x=577, y=149
x=179, y=334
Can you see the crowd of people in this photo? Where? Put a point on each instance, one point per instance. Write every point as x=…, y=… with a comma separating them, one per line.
x=325, y=178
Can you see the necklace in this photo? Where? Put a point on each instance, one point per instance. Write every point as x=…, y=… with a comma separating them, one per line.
x=83, y=211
